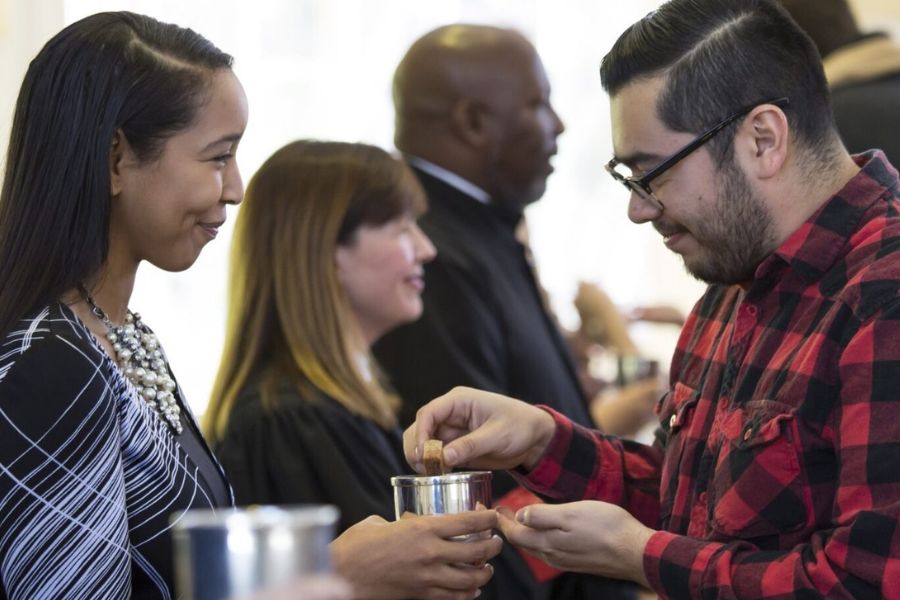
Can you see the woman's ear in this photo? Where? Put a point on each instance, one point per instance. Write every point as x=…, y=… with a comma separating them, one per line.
x=119, y=153
x=763, y=141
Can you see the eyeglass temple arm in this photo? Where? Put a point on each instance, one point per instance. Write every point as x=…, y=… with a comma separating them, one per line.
x=779, y=102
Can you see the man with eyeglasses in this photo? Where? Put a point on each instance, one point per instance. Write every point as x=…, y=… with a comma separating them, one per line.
x=775, y=470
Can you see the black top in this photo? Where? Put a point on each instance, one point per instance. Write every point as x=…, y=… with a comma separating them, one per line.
x=310, y=449
x=89, y=473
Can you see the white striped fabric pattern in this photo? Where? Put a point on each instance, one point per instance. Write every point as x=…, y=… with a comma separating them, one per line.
x=89, y=474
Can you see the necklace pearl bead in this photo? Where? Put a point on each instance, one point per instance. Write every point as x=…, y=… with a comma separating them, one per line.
x=140, y=357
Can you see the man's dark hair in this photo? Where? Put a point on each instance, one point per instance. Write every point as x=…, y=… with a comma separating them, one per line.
x=104, y=73
x=722, y=55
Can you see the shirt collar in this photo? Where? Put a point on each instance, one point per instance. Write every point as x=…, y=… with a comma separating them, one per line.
x=817, y=244
x=452, y=179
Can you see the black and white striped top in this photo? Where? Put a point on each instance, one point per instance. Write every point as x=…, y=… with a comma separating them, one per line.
x=89, y=474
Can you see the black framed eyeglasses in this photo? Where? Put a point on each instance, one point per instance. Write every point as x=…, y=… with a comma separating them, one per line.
x=641, y=185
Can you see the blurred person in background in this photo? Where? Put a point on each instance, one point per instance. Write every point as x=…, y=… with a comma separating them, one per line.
x=863, y=72
x=622, y=385
x=327, y=257
x=475, y=122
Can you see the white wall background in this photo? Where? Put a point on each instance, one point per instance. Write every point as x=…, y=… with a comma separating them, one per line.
x=322, y=68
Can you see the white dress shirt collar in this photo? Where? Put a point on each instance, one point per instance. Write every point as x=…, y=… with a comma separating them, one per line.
x=452, y=179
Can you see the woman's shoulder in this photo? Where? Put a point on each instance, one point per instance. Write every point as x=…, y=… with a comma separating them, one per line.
x=296, y=411
x=283, y=399
x=52, y=369
x=276, y=418
x=48, y=341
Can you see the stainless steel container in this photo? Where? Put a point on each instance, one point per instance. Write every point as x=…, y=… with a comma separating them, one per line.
x=441, y=494
x=232, y=553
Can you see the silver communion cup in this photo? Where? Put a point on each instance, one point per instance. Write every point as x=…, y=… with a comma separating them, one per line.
x=442, y=494
x=232, y=553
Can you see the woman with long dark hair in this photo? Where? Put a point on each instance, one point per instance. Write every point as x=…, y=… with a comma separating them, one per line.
x=122, y=151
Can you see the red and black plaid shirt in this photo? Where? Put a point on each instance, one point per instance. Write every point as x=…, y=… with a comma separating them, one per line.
x=776, y=472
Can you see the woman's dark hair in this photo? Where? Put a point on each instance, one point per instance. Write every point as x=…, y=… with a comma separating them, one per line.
x=108, y=72
x=722, y=55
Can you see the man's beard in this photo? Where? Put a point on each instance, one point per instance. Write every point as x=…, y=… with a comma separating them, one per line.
x=514, y=199
x=735, y=236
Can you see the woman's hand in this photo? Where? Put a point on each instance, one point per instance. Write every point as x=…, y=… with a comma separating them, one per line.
x=415, y=557
x=584, y=537
x=480, y=429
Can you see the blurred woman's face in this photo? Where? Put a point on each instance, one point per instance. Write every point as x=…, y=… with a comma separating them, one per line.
x=381, y=272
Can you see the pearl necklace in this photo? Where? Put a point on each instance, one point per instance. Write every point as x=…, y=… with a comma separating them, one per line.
x=140, y=357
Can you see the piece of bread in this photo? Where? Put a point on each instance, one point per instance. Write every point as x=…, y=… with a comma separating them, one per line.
x=433, y=458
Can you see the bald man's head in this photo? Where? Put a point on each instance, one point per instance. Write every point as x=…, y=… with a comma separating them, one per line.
x=454, y=62
x=474, y=99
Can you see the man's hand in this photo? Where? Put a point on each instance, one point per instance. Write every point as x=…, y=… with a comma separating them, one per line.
x=585, y=537
x=481, y=430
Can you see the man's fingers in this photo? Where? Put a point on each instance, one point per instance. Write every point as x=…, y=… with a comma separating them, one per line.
x=411, y=450
x=543, y=516
x=467, y=449
x=522, y=536
x=437, y=414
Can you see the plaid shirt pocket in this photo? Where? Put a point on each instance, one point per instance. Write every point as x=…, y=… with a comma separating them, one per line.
x=758, y=485
x=674, y=410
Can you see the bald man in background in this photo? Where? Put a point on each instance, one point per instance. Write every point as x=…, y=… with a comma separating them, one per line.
x=474, y=120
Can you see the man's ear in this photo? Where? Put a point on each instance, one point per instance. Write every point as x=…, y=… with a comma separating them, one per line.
x=469, y=120
x=762, y=141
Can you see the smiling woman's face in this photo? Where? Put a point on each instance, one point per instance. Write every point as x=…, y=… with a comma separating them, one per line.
x=166, y=210
x=380, y=271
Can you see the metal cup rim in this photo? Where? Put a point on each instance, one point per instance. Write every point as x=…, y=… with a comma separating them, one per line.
x=431, y=480
x=258, y=516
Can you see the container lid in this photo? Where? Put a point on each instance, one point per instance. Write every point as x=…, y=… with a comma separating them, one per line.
x=257, y=517
x=409, y=480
